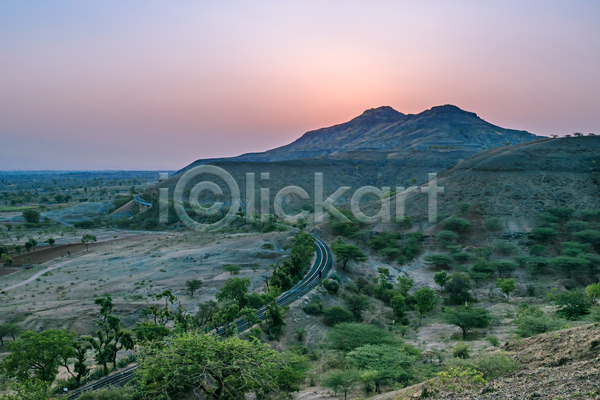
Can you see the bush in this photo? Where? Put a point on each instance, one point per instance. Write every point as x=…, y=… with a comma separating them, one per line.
x=456, y=224
x=493, y=224
x=538, y=250
x=493, y=340
x=543, y=234
x=461, y=350
x=313, y=308
x=331, y=285
x=336, y=315
x=111, y=394
x=572, y=304
x=588, y=236
x=446, y=238
x=439, y=260
x=492, y=365
x=232, y=269
x=504, y=248
x=349, y=336
x=532, y=321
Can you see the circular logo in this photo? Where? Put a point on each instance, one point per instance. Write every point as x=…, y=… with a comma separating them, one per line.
x=201, y=187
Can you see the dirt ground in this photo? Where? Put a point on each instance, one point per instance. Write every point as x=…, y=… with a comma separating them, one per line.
x=60, y=292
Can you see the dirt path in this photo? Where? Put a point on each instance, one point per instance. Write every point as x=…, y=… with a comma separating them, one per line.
x=38, y=274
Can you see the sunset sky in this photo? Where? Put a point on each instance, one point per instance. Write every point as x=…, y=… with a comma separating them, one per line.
x=159, y=84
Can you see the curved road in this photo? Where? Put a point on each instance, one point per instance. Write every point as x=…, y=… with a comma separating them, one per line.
x=318, y=271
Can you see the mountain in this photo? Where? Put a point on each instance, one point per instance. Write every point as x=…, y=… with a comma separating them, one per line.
x=385, y=129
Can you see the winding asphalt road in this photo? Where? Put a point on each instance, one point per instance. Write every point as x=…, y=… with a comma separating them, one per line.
x=318, y=271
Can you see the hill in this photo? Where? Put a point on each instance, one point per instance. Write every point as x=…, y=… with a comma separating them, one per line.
x=385, y=129
x=517, y=182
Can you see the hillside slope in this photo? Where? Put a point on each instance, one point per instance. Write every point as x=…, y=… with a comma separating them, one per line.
x=518, y=182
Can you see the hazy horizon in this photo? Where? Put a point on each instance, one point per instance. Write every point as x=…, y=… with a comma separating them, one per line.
x=155, y=86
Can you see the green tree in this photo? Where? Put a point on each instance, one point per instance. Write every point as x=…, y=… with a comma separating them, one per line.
x=344, y=228
x=439, y=260
x=341, y=382
x=38, y=355
x=593, y=292
x=18, y=249
x=31, y=389
x=346, y=252
x=357, y=304
x=232, y=269
x=275, y=319
x=390, y=363
x=235, y=289
x=467, y=318
x=193, y=285
x=504, y=268
x=543, y=234
x=481, y=271
x=425, y=299
x=87, y=239
x=572, y=304
x=336, y=315
x=398, y=304
x=588, y=236
x=446, y=238
x=31, y=215
x=404, y=285
x=441, y=278
x=346, y=337
x=7, y=259
x=229, y=368
x=110, y=337
x=456, y=224
x=51, y=242
x=504, y=248
x=9, y=329
x=506, y=286
x=331, y=285
x=569, y=264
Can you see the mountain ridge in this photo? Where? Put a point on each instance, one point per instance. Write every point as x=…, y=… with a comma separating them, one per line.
x=386, y=129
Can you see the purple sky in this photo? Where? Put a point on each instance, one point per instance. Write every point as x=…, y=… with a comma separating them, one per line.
x=157, y=85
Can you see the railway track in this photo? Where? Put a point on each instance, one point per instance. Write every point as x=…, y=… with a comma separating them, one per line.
x=318, y=271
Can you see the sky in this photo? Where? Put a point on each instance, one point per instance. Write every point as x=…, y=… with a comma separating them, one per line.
x=136, y=85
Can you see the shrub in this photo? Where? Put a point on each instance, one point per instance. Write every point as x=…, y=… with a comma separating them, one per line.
x=492, y=365
x=504, y=248
x=110, y=394
x=446, y=238
x=331, y=285
x=543, y=234
x=467, y=318
x=461, y=350
x=531, y=325
x=232, y=269
x=577, y=226
x=439, y=260
x=572, y=304
x=456, y=224
x=504, y=267
x=569, y=264
x=336, y=315
x=493, y=340
x=538, y=250
x=313, y=308
x=493, y=224
x=588, y=236
x=349, y=336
